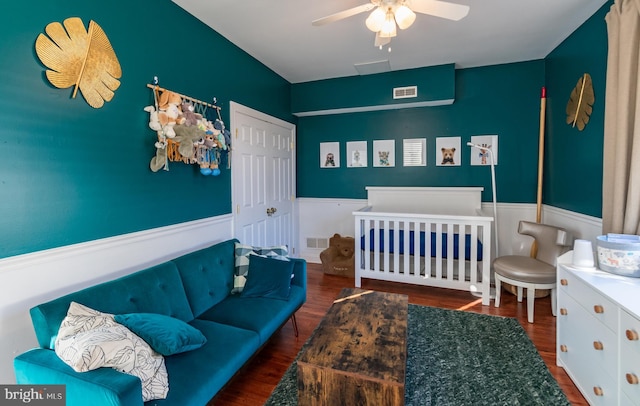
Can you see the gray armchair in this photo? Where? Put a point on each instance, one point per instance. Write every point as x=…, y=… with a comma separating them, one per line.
x=533, y=273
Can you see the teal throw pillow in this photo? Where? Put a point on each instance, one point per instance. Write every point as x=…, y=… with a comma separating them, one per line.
x=243, y=254
x=268, y=277
x=166, y=335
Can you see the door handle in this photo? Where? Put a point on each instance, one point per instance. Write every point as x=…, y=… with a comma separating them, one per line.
x=271, y=210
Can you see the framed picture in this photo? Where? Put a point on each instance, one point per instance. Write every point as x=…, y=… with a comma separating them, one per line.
x=329, y=154
x=414, y=152
x=448, y=151
x=384, y=153
x=357, y=154
x=481, y=156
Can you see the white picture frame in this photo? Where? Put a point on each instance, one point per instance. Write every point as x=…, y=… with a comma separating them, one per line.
x=357, y=154
x=414, y=152
x=448, y=151
x=329, y=154
x=481, y=157
x=384, y=153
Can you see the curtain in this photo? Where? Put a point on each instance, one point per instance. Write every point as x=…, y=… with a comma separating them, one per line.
x=621, y=160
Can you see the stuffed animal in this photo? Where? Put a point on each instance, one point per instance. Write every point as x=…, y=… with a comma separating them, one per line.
x=225, y=140
x=159, y=161
x=339, y=259
x=169, y=113
x=154, y=122
x=188, y=138
x=190, y=117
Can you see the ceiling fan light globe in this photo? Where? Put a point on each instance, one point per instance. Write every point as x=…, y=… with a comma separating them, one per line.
x=375, y=20
x=388, y=29
x=404, y=17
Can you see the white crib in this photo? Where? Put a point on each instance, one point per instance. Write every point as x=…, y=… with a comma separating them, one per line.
x=413, y=235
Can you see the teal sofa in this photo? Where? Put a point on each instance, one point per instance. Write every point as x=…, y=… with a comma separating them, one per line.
x=194, y=288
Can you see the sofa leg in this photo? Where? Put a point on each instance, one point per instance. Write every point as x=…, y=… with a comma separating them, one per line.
x=295, y=324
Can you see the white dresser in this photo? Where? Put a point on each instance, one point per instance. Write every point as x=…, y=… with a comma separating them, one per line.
x=598, y=329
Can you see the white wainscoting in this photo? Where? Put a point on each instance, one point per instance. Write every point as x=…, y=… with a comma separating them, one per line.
x=30, y=279
x=580, y=225
x=322, y=218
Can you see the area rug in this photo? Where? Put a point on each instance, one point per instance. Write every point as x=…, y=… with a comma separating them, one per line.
x=457, y=358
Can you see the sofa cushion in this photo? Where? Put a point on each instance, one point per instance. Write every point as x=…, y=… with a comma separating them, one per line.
x=157, y=289
x=259, y=314
x=268, y=277
x=243, y=254
x=207, y=275
x=166, y=335
x=196, y=376
x=89, y=339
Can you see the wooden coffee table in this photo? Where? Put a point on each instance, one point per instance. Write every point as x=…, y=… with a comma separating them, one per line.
x=358, y=353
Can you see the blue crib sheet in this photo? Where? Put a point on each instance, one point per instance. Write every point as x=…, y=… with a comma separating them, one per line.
x=456, y=238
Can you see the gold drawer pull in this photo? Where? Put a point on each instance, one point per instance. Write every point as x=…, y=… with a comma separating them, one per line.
x=598, y=309
x=598, y=391
x=563, y=311
x=564, y=282
x=598, y=345
x=563, y=348
x=632, y=335
x=632, y=379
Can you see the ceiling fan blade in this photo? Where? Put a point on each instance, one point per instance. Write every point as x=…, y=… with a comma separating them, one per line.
x=380, y=41
x=343, y=14
x=443, y=9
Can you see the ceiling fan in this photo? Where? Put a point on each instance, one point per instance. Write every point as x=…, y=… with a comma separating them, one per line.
x=387, y=14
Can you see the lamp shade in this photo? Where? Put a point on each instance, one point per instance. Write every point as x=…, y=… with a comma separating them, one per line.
x=375, y=20
x=388, y=29
x=404, y=17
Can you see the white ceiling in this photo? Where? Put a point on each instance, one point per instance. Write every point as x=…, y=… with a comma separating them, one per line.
x=280, y=35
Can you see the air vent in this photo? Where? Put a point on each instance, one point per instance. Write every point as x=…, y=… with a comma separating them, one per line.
x=314, y=242
x=405, y=92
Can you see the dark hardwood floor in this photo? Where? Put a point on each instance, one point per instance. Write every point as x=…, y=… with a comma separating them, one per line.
x=253, y=385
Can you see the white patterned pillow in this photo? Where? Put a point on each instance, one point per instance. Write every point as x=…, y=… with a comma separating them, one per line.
x=88, y=339
x=242, y=259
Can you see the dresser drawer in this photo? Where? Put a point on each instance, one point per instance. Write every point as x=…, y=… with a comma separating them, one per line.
x=630, y=356
x=594, y=302
x=582, y=336
x=598, y=387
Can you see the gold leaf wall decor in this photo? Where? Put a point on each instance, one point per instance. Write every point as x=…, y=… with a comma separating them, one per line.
x=580, y=103
x=80, y=58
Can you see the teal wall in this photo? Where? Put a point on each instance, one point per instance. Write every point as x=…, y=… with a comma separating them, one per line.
x=501, y=100
x=436, y=84
x=70, y=173
x=573, y=163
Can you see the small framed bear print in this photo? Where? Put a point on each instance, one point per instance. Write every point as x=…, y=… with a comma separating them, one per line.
x=448, y=151
x=384, y=153
x=329, y=154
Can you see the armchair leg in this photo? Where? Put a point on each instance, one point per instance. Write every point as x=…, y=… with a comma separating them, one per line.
x=531, y=295
x=295, y=324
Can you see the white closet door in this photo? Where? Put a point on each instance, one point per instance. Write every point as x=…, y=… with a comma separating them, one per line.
x=263, y=178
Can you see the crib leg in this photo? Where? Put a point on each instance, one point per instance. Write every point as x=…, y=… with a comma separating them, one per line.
x=358, y=279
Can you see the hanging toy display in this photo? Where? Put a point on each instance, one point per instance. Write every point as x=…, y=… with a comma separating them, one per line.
x=185, y=133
